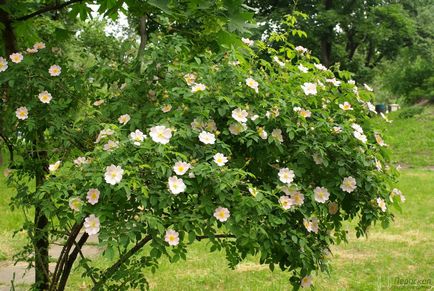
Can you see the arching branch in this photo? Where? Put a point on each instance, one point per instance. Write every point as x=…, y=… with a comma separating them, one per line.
x=110, y=271
x=47, y=8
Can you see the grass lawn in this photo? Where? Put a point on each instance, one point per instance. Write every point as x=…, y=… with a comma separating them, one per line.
x=411, y=139
x=405, y=250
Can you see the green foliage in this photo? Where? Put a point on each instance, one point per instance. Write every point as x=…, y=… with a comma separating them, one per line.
x=409, y=112
x=410, y=77
x=301, y=136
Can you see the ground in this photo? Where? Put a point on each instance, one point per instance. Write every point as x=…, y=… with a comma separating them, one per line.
x=399, y=257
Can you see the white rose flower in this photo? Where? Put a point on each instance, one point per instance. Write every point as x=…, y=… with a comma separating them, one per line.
x=371, y=107
x=176, y=185
x=113, y=174
x=320, y=67
x=16, y=58
x=75, y=203
x=98, y=102
x=311, y=225
x=321, y=194
x=180, y=168
x=300, y=49
x=346, y=106
x=198, y=87
x=286, y=202
x=278, y=61
x=397, y=192
x=207, y=137
x=190, y=79
x=277, y=135
x=252, y=84
x=160, y=134
x=93, y=196
x=111, y=145
x=337, y=129
x=247, y=41
x=357, y=127
x=240, y=115
x=360, y=136
x=123, y=119
x=253, y=191
x=91, y=224
x=333, y=81
x=137, y=137
x=166, y=108
x=237, y=128
x=382, y=204
x=305, y=113
x=379, y=140
x=22, y=113
x=262, y=133
x=31, y=50
x=222, y=214
x=349, y=184
x=302, y=68
x=309, y=88
x=55, y=70
x=80, y=161
x=297, y=198
x=54, y=167
x=286, y=175
x=45, y=97
x=220, y=159
x=3, y=64
x=103, y=134
x=171, y=237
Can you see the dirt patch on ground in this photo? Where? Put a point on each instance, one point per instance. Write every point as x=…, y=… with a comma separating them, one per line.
x=352, y=255
x=408, y=166
x=248, y=266
x=9, y=271
x=411, y=238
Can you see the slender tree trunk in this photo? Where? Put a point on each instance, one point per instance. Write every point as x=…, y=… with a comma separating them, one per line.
x=369, y=54
x=41, y=244
x=143, y=21
x=9, y=37
x=326, y=39
x=71, y=259
x=352, y=45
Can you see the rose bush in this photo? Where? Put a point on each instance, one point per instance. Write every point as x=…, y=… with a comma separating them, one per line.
x=262, y=152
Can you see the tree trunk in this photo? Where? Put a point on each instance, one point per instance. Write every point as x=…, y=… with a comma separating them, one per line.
x=369, y=54
x=9, y=37
x=143, y=35
x=41, y=244
x=71, y=259
x=351, y=44
x=326, y=39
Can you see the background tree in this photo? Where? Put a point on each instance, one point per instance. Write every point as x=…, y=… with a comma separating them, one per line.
x=410, y=76
x=355, y=34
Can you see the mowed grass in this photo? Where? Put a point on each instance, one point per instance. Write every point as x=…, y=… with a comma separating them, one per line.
x=410, y=139
x=10, y=221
